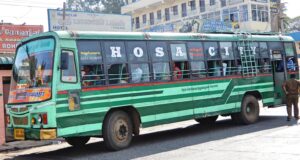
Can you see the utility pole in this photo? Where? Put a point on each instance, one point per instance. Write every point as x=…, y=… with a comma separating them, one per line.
x=280, y=16
x=64, y=15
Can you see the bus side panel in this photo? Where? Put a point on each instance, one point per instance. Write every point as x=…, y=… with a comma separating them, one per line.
x=160, y=104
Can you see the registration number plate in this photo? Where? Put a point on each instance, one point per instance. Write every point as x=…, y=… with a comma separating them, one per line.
x=19, y=134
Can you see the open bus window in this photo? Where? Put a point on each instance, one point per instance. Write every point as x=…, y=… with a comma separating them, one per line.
x=139, y=73
x=160, y=60
x=92, y=75
x=161, y=71
x=229, y=68
x=117, y=73
x=180, y=70
x=264, y=65
x=214, y=68
x=291, y=64
x=180, y=65
x=198, y=69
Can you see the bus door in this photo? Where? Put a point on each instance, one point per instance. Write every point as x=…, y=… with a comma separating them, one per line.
x=69, y=81
x=279, y=75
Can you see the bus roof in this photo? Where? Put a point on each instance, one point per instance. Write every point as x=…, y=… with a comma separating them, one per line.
x=159, y=36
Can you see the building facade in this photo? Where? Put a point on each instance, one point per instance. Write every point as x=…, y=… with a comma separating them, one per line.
x=201, y=15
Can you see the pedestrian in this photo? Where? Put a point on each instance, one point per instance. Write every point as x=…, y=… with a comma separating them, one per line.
x=291, y=90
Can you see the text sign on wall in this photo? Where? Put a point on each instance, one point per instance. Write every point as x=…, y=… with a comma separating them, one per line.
x=10, y=35
x=85, y=21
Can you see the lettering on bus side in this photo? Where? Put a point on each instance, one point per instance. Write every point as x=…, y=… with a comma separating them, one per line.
x=179, y=52
x=115, y=51
x=242, y=49
x=159, y=52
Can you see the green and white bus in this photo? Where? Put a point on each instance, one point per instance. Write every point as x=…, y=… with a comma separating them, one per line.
x=78, y=85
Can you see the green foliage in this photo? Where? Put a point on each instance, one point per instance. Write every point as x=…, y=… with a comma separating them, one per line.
x=112, y=6
x=84, y=5
x=101, y=6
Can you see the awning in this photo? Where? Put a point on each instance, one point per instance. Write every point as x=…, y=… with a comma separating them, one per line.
x=6, y=60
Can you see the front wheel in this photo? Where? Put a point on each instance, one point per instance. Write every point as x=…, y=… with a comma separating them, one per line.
x=249, y=111
x=117, y=130
x=77, y=141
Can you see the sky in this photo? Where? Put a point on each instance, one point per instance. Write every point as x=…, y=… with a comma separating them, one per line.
x=293, y=8
x=31, y=12
x=34, y=12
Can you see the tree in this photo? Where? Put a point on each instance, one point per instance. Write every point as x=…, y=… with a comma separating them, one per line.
x=84, y=5
x=112, y=6
x=102, y=6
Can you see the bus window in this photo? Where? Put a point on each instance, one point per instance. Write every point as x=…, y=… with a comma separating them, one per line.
x=69, y=74
x=180, y=70
x=180, y=66
x=213, y=59
x=160, y=60
x=263, y=50
x=161, y=71
x=117, y=73
x=117, y=62
x=291, y=64
x=214, y=68
x=264, y=65
x=227, y=55
x=289, y=49
x=229, y=67
x=195, y=50
x=92, y=75
x=91, y=63
x=198, y=69
x=138, y=59
x=290, y=57
x=139, y=73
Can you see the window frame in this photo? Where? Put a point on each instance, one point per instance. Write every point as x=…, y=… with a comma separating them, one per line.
x=102, y=63
x=177, y=61
x=75, y=66
x=131, y=62
x=152, y=60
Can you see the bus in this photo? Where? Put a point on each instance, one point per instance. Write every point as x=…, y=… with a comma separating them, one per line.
x=78, y=85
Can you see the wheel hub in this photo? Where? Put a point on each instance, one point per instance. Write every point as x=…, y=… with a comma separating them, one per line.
x=121, y=130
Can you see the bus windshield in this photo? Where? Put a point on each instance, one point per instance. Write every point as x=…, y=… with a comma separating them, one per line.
x=32, y=72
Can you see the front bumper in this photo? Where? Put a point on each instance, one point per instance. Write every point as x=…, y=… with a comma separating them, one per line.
x=32, y=134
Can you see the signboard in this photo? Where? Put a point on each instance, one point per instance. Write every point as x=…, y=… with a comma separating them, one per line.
x=161, y=28
x=86, y=21
x=276, y=54
x=10, y=35
x=216, y=26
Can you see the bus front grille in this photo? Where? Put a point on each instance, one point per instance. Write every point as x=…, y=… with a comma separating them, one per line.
x=20, y=120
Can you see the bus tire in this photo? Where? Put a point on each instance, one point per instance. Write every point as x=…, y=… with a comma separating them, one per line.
x=249, y=111
x=117, y=130
x=77, y=141
x=207, y=120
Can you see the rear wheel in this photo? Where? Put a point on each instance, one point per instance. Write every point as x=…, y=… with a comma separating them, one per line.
x=207, y=120
x=249, y=111
x=117, y=130
x=77, y=141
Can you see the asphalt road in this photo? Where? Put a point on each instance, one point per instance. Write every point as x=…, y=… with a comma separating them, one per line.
x=272, y=137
